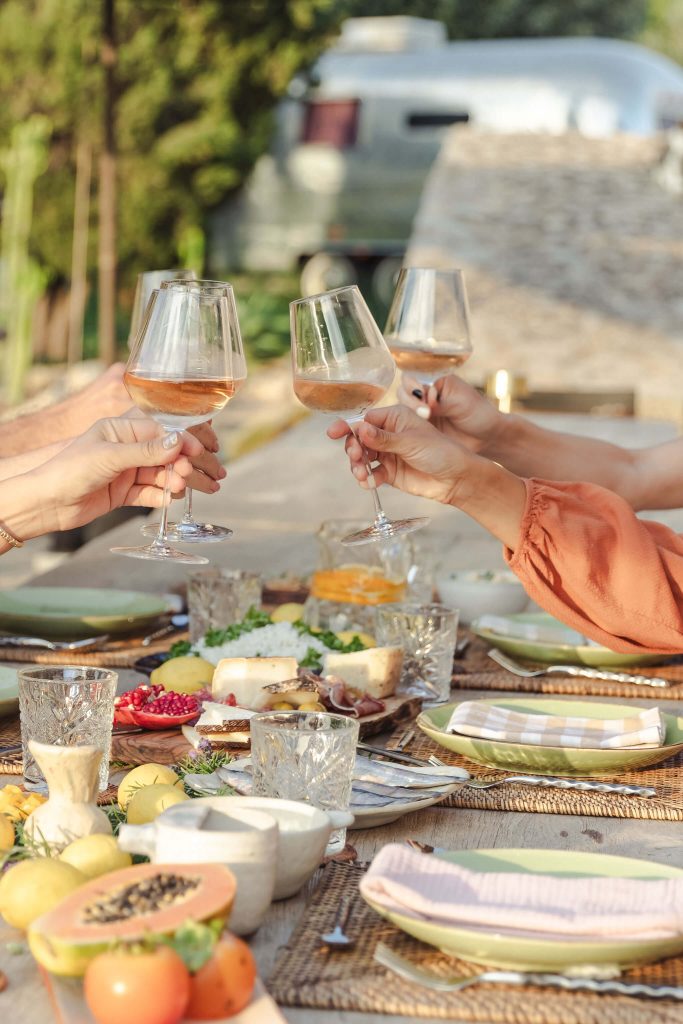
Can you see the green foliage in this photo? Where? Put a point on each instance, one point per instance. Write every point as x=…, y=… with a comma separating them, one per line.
x=498, y=19
x=197, y=83
x=664, y=28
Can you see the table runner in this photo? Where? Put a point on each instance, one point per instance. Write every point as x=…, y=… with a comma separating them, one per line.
x=666, y=778
x=308, y=975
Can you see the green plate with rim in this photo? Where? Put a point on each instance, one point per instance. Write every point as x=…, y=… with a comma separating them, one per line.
x=70, y=613
x=537, y=760
x=552, y=652
x=522, y=950
x=9, y=690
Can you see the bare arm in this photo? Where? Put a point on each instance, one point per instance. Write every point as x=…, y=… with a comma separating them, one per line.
x=64, y=420
x=646, y=478
x=15, y=465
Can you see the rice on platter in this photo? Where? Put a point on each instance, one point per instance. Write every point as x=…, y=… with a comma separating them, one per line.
x=278, y=639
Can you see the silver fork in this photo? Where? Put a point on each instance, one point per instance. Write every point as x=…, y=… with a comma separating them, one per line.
x=573, y=670
x=551, y=782
x=605, y=984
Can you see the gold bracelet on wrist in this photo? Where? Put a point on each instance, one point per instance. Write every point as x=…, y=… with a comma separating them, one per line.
x=10, y=539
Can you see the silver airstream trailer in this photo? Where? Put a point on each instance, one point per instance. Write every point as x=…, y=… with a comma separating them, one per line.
x=355, y=139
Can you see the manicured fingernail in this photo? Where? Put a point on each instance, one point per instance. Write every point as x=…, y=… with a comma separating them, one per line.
x=423, y=411
x=222, y=473
x=370, y=431
x=171, y=440
x=416, y=393
x=357, y=471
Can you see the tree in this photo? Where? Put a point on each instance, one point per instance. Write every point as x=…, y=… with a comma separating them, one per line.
x=496, y=19
x=197, y=82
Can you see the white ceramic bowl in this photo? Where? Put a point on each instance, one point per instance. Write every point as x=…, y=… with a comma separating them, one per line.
x=476, y=592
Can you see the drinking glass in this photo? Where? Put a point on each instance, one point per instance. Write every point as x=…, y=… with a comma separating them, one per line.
x=342, y=366
x=218, y=597
x=428, y=326
x=428, y=634
x=309, y=756
x=188, y=530
x=184, y=367
x=67, y=706
x=146, y=283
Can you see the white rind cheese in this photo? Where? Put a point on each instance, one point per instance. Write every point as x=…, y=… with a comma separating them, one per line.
x=246, y=679
x=375, y=671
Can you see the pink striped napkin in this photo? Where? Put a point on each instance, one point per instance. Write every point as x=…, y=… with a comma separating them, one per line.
x=491, y=722
x=427, y=888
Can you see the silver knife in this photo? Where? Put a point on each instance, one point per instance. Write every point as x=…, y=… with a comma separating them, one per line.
x=394, y=755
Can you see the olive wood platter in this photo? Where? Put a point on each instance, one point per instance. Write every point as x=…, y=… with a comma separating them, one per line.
x=168, y=747
x=69, y=1006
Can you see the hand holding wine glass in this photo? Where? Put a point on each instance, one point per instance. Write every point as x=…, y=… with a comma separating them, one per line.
x=342, y=366
x=188, y=530
x=181, y=371
x=428, y=327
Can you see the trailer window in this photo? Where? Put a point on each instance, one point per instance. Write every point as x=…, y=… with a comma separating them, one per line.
x=332, y=121
x=440, y=119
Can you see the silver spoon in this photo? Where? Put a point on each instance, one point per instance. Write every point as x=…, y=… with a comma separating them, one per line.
x=337, y=938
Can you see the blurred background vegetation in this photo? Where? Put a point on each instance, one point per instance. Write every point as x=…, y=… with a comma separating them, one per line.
x=132, y=121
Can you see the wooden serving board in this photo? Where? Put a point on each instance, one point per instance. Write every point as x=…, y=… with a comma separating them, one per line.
x=169, y=747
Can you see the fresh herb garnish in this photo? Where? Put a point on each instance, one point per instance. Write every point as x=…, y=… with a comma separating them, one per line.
x=330, y=639
x=254, y=619
x=180, y=649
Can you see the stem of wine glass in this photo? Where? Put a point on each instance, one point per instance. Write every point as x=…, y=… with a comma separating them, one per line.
x=381, y=518
x=187, y=511
x=160, y=540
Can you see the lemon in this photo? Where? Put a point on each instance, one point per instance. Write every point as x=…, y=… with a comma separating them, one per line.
x=290, y=612
x=147, y=803
x=145, y=775
x=184, y=675
x=33, y=887
x=95, y=855
x=6, y=833
x=347, y=635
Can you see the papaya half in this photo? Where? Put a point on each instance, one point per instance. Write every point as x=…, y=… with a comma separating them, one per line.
x=128, y=906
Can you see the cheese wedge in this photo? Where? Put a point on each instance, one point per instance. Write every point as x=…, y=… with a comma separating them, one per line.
x=376, y=670
x=225, y=726
x=246, y=679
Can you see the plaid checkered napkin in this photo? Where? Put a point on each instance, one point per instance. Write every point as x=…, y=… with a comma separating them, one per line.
x=490, y=722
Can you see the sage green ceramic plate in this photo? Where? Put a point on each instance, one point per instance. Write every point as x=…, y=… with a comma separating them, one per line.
x=9, y=692
x=521, y=950
x=536, y=760
x=556, y=652
x=73, y=612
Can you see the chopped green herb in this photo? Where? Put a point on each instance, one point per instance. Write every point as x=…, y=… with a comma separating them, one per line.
x=254, y=619
x=180, y=649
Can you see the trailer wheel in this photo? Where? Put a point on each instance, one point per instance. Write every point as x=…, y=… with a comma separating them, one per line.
x=324, y=271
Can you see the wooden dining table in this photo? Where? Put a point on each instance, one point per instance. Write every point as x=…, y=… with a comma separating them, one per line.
x=274, y=499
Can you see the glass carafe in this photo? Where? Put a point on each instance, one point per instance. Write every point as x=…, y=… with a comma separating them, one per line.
x=348, y=584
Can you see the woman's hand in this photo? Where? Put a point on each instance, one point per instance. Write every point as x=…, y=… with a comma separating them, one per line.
x=456, y=410
x=117, y=462
x=412, y=454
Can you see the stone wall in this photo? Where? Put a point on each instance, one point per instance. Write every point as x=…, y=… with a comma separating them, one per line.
x=573, y=255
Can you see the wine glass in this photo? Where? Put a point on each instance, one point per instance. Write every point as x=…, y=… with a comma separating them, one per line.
x=188, y=530
x=428, y=326
x=181, y=371
x=146, y=283
x=342, y=366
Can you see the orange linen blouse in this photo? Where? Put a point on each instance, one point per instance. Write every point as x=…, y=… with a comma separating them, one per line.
x=586, y=558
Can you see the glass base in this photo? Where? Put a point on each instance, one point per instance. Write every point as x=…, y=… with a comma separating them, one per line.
x=189, y=533
x=385, y=530
x=161, y=553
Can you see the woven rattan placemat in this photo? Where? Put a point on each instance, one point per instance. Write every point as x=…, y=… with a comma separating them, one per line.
x=115, y=653
x=10, y=736
x=308, y=975
x=666, y=778
x=476, y=671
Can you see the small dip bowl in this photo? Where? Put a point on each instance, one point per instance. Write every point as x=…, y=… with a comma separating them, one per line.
x=477, y=592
